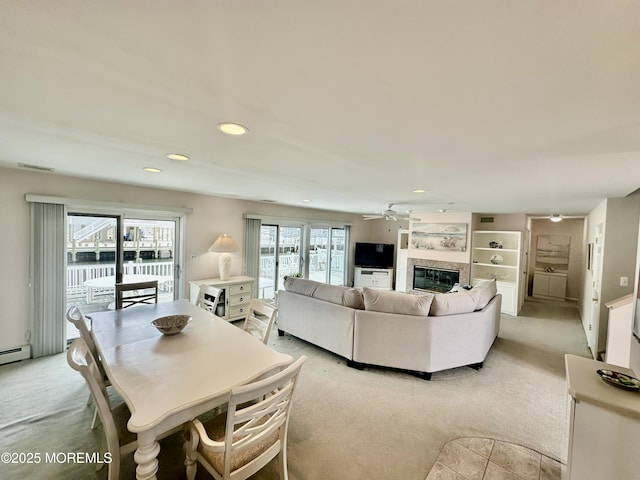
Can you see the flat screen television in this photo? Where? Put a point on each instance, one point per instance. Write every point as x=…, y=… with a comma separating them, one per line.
x=374, y=255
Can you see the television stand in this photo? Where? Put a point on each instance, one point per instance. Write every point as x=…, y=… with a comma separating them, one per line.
x=379, y=278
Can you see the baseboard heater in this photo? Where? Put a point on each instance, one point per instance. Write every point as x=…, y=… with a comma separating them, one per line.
x=15, y=354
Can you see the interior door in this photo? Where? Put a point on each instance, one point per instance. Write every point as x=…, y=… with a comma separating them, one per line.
x=593, y=328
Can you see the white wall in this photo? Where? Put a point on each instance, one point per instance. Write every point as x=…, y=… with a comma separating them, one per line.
x=211, y=217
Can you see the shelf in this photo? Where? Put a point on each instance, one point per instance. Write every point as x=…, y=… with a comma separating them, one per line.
x=494, y=265
x=496, y=249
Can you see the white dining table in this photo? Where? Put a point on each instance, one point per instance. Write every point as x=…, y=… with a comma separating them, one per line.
x=169, y=380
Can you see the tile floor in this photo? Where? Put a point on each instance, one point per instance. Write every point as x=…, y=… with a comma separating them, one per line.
x=487, y=459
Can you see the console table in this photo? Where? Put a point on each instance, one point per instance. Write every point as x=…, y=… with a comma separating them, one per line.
x=234, y=300
x=604, y=423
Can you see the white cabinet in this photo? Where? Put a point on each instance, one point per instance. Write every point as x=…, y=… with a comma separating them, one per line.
x=402, y=257
x=497, y=255
x=380, y=278
x=550, y=285
x=234, y=300
x=604, y=424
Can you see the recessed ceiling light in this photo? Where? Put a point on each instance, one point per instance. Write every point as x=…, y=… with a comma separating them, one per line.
x=233, y=128
x=177, y=156
x=419, y=190
x=306, y=200
x=152, y=170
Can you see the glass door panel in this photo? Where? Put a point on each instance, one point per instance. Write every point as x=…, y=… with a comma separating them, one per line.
x=337, y=260
x=289, y=260
x=149, y=253
x=268, y=242
x=318, y=254
x=91, y=253
x=279, y=257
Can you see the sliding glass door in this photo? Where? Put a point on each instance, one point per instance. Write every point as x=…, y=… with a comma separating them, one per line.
x=102, y=250
x=280, y=248
x=327, y=255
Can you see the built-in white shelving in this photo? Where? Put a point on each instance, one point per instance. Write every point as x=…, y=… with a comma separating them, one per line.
x=496, y=255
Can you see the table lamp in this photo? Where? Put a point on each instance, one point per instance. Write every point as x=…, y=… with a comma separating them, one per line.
x=223, y=245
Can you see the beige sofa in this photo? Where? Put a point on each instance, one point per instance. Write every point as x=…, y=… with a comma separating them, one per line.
x=421, y=333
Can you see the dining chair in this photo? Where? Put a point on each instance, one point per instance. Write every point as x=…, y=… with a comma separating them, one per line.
x=260, y=319
x=119, y=441
x=141, y=293
x=252, y=432
x=74, y=315
x=208, y=298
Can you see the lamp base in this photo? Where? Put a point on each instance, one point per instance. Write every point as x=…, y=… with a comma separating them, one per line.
x=224, y=265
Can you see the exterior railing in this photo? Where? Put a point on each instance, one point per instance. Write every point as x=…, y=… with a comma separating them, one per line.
x=77, y=275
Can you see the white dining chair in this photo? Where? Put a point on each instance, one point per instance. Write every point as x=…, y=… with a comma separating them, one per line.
x=74, y=315
x=140, y=293
x=119, y=441
x=260, y=319
x=252, y=432
x=208, y=298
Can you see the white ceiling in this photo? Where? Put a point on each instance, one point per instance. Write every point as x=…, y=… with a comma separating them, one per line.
x=491, y=106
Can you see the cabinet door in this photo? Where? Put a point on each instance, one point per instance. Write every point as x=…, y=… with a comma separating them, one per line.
x=540, y=284
x=557, y=286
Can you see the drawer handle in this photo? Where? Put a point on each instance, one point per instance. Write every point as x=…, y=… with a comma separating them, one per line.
x=241, y=299
x=241, y=287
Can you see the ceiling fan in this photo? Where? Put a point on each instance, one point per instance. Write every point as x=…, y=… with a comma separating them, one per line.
x=389, y=214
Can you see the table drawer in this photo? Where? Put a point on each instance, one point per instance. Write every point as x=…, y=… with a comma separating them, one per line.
x=241, y=288
x=238, y=310
x=239, y=299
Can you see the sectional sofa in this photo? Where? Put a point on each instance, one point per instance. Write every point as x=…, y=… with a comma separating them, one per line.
x=422, y=333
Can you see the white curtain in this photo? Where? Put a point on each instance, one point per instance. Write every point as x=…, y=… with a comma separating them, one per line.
x=48, y=269
x=252, y=247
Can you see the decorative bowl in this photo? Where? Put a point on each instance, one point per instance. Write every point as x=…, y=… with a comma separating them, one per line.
x=171, y=324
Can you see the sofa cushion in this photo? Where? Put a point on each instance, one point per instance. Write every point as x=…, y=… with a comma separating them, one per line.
x=452, y=303
x=483, y=293
x=301, y=286
x=346, y=296
x=396, y=302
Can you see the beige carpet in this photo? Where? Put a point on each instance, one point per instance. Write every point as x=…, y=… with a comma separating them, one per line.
x=345, y=424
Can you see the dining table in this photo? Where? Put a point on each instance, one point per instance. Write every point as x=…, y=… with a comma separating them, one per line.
x=168, y=380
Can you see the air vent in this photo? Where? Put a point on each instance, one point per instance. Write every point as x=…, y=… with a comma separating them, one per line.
x=35, y=167
x=486, y=219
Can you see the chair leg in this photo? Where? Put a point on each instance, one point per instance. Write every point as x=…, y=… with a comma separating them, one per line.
x=96, y=419
x=90, y=399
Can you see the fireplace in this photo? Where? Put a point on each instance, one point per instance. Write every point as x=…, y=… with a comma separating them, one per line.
x=434, y=279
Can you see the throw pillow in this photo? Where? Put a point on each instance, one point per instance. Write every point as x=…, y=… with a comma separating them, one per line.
x=452, y=303
x=483, y=293
x=396, y=302
x=300, y=285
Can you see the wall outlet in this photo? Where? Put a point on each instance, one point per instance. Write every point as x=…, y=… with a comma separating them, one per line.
x=624, y=281
x=194, y=255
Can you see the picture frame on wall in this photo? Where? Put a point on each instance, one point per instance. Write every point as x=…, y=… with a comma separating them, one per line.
x=450, y=237
x=590, y=256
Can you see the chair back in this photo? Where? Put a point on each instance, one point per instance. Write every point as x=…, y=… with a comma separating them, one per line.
x=79, y=357
x=260, y=319
x=208, y=298
x=74, y=315
x=130, y=294
x=257, y=419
